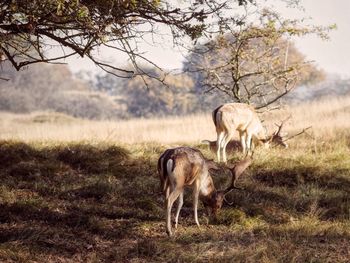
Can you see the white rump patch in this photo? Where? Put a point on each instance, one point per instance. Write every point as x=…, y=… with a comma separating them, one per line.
x=169, y=166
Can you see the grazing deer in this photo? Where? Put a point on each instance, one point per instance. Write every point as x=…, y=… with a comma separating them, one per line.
x=185, y=166
x=232, y=117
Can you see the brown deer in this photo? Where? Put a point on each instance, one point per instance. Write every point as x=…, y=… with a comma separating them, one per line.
x=185, y=166
x=241, y=117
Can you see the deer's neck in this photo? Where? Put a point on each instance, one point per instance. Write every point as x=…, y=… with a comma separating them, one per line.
x=207, y=187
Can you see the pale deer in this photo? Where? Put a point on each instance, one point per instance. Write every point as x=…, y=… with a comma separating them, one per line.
x=185, y=166
x=232, y=117
x=241, y=117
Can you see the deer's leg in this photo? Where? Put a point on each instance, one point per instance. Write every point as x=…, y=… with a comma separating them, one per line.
x=222, y=146
x=219, y=144
x=195, y=200
x=227, y=139
x=167, y=193
x=169, y=204
x=249, y=141
x=179, y=206
x=243, y=141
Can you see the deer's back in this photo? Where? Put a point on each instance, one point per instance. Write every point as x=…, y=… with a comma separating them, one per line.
x=237, y=116
x=187, y=163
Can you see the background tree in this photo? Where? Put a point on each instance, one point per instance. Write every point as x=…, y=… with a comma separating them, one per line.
x=176, y=98
x=256, y=62
x=32, y=90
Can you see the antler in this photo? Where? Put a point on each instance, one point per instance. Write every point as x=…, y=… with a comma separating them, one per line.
x=281, y=125
x=236, y=172
x=295, y=135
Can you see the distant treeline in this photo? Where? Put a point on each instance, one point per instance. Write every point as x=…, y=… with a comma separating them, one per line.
x=55, y=88
x=52, y=87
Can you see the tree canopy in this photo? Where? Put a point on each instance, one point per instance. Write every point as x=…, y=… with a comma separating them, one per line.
x=29, y=29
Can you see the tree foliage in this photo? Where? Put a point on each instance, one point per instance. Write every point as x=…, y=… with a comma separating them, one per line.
x=29, y=29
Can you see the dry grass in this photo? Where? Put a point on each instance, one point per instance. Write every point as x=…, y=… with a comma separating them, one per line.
x=167, y=130
x=327, y=118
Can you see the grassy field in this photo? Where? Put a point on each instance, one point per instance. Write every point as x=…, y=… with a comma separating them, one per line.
x=82, y=191
x=328, y=118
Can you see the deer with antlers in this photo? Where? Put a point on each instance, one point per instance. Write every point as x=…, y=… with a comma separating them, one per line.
x=241, y=117
x=185, y=166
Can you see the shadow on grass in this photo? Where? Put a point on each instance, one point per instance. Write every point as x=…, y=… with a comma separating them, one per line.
x=276, y=196
x=81, y=199
x=331, y=179
x=69, y=199
x=266, y=244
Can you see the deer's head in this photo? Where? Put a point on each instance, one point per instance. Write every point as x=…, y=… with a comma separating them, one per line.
x=217, y=198
x=215, y=201
x=278, y=137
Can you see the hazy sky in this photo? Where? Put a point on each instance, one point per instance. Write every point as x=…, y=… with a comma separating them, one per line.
x=333, y=55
